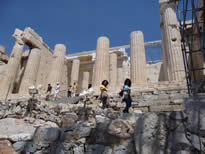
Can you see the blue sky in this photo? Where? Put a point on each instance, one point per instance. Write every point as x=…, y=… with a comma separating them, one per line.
x=78, y=23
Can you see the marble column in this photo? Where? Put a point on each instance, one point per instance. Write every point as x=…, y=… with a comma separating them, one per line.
x=57, y=65
x=172, y=39
x=13, y=67
x=120, y=79
x=138, y=59
x=101, y=69
x=85, y=81
x=113, y=70
x=75, y=71
x=165, y=68
x=31, y=70
x=126, y=70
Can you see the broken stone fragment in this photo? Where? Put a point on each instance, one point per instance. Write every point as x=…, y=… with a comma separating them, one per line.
x=6, y=147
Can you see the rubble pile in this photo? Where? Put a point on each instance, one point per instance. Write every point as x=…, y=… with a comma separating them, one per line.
x=31, y=126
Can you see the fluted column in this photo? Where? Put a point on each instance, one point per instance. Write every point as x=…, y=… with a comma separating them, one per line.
x=101, y=69
x=13, y=67
x=173, y=42
x=126, y=70
x=31, y=70
x=75, y=71
x=113, y=70
x=120, y=79
x=138, y=59
x=57, y=65
x=85, y=81
x=165, y=68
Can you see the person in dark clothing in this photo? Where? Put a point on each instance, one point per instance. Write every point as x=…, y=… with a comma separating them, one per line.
x=69, y=91
x=48, y=92
x=126, y=93
x=89, y=86
x=49, y=89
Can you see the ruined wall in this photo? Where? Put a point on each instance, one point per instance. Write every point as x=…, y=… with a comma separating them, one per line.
x=69, y=128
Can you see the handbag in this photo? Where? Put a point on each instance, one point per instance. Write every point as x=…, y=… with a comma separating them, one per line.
x=121, y=93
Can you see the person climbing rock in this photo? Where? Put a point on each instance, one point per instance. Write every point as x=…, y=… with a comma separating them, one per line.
x=75, y=88
x=69, y=91
x=126, y=94
x=57, y=90
x=104, y=95
x=48, y=92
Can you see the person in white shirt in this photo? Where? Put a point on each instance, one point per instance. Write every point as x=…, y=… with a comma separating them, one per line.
x=57, y=90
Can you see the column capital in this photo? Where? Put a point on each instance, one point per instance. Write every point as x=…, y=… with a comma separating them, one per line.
x=93, y=56
x=18, y=35
x=125, y=63
x=163, y=4
x=76, y=59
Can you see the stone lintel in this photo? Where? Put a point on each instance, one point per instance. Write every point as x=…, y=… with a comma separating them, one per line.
x=71, y=58
x=119, y=52
x=33, y=42
x=31, y=38
x=92, y=52
x=33, y=33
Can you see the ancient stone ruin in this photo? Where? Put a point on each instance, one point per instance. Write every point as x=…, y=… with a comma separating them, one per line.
x=163, y=118
x=40, y=65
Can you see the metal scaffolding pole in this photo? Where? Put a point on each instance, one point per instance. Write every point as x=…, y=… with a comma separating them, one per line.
x=191, y=21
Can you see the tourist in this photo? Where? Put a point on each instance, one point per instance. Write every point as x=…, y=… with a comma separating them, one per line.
x=89, y=86
x=69, y=91
x=74, y=88
x=57, y=90
x=126, y=93
x=104, y=95
x=49, y=90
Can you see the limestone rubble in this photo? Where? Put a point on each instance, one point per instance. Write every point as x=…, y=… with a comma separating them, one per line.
x=84, y=127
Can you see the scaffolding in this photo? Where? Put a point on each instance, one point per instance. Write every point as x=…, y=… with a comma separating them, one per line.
x=191, y=21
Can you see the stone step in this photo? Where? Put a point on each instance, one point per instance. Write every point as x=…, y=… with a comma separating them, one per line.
x=152, y=98
x=67, y=100
x=178, y=105
x=159, y=102
x=160, y=108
